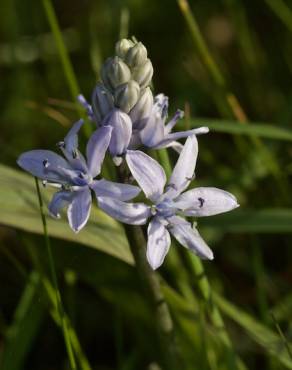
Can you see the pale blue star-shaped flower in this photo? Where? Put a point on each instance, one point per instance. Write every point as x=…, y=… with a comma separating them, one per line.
x=169, y=203
x=157, y=134
x=74, y=175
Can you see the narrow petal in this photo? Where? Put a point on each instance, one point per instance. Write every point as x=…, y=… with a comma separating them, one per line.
x=104, y=188
x=128, y=213
x=71, y=139
x=79, y=209
x=153, y=132
x=191, y=239
x=44, y=164
x=183, y=171
x=177, y=116
x=60, y=200
x=122, y=131
x=147, y=172
x=205, y=202
x=81, y=99
x=170, y=138
x=96, y=148
x=158, y=243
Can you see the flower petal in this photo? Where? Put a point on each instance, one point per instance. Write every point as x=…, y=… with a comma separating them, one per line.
x=170, y=138
x=44, y=164
x=81, y=99
x=79, y=209
x=158, y=243
x=128, y=213
x=96, y=148
x=147, y=172
x=153, y=132
x=205, y=201
x=183, y=171
x=122, y=131
x=191, y=239
x=71, y=139
x=60, y=200
x=104, y=188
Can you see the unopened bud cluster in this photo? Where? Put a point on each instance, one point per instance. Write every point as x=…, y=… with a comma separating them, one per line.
x=125, y=80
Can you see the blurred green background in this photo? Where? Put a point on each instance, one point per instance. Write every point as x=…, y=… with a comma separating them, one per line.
x=228, y=63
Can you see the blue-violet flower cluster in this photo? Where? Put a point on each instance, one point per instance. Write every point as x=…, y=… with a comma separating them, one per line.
x=128, y=118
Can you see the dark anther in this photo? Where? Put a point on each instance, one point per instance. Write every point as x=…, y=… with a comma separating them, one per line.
x=45, y=163
x=81, y=176
x=74, y=154
x=202, y=201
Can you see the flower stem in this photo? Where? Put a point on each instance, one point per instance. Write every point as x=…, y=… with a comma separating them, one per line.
x=151, y=281
x=64, y=325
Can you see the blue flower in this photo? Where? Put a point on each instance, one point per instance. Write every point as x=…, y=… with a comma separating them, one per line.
x=156, y=134
x=169, y=203
x=74, y=175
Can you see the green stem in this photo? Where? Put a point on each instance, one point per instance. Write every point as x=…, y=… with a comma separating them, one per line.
x=152, y=284
x=150, y=278
x=59, y=304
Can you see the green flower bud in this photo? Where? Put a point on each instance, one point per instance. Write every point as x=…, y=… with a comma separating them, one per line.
x=136, y=55
x=143, y=73
x=123, y=46
x=115, y=72
x=142, y=110
x=126, y=95
x=102, y=102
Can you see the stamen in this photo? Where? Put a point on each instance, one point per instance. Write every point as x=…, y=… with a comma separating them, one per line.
x=44, y=182
x=153, y=210
x=66, y=187
x=52, y=184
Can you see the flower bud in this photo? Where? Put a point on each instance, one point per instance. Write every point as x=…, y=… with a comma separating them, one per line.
x=121, y=133
x=136, y=55
x=143, y=73
x=102, y=102
x=142, y=110
x=115, y=72
x=126, y=95
x=123, y=46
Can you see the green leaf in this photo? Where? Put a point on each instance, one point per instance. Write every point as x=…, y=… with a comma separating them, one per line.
x=262, y=335
x=20, y=209
x=276, y=220
x=263, y=130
